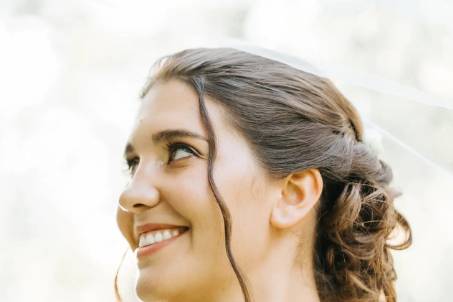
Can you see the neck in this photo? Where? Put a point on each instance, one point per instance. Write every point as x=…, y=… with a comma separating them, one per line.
x=271, y=281
x=278, y=283
x=264, y=286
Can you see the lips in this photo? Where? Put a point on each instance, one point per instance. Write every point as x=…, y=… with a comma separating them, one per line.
x=153, y=237
x=158, y=236
x=149, y=227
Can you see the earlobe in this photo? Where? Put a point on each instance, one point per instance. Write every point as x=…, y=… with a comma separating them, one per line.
x=300, y=193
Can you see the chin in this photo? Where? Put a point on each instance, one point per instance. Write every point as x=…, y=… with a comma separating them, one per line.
x=149, y=290
x=153, y=285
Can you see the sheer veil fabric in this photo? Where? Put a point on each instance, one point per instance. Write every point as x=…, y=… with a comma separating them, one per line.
x=422, y=165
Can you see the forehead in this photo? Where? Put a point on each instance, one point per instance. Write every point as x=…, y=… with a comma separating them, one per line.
x=174, y=104
x=170, y=102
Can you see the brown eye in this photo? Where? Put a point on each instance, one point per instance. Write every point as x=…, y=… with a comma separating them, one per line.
x=179, y=151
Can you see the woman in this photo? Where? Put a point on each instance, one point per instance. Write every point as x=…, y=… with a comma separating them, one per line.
x=250, y=181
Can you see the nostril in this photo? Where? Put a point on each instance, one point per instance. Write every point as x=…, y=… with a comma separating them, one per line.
x=138, y=205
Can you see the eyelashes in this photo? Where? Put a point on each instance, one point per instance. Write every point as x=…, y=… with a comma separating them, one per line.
x=172, y=150
x=173, y=147
x=132, y=164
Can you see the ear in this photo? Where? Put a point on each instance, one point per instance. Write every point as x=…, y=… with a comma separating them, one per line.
x=300, y=193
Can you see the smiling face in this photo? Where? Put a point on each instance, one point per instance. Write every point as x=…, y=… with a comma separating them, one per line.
x=168, y=151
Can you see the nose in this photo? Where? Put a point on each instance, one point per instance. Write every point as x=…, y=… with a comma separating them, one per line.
x=141, y=194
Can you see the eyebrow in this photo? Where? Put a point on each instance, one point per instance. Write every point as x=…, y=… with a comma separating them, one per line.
x=167, y=135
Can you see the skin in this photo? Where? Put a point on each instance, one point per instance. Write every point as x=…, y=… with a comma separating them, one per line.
x=273, y=219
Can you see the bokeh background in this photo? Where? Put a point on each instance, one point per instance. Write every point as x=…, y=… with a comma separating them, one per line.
x=70, y=75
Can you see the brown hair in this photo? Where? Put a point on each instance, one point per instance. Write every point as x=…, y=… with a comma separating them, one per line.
x=295, y=120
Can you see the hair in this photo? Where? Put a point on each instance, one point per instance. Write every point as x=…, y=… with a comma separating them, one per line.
x=295, y=120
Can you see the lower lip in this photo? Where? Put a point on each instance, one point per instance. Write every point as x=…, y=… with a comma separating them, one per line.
x=153, y=248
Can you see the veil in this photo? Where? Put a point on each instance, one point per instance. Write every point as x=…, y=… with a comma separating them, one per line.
x=407, y=128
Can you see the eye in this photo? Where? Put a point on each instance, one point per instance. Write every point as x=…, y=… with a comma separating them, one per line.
x=179, y=151
x=132, y=164
x=176, y=151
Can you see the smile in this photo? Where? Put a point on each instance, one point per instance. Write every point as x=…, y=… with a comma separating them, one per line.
x=158, y=236
x=151, y=242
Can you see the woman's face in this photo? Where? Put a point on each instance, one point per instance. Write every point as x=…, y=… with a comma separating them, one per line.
x=169, y=192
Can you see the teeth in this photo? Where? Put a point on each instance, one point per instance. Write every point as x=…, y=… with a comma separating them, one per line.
x=157, y=236
x=166, y=235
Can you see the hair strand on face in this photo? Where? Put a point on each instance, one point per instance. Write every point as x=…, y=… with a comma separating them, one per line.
x=199, y=87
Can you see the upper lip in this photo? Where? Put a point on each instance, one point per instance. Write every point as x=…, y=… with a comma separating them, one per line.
x=148, y=227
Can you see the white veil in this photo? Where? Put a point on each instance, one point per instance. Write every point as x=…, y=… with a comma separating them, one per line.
x=423, y=171
x=422, y=166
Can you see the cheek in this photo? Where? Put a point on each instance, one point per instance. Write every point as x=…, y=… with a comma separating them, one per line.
x=245, y=194
x=192, y=198
x=188, y=190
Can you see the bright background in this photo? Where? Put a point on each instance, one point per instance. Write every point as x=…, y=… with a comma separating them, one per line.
x=70, y=74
